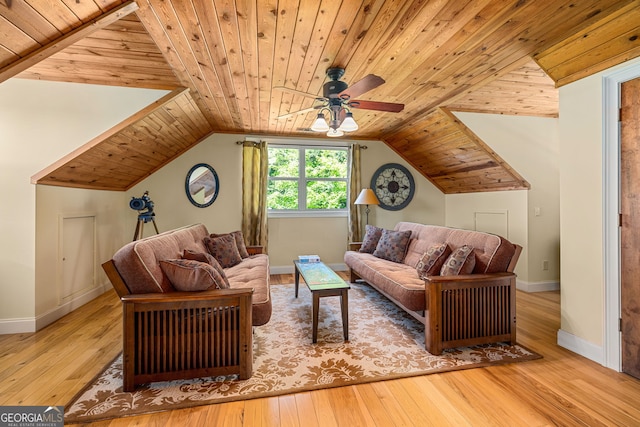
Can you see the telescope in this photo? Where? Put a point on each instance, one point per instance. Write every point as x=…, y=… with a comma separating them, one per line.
x=140, y=204
x=144, y=206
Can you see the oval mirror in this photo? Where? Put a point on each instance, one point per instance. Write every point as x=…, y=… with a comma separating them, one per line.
x=202, y=185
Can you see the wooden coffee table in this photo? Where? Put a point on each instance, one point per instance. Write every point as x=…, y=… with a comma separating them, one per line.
x=323, y=282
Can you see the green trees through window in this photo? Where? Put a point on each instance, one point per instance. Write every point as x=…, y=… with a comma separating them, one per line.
x=307, y=179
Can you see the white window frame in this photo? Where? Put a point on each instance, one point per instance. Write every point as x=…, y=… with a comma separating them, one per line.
x=302, y=188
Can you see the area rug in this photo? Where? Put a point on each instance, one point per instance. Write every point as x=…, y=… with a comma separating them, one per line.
x=384, y=343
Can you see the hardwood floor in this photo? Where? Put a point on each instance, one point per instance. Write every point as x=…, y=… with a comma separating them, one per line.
x=50, y=366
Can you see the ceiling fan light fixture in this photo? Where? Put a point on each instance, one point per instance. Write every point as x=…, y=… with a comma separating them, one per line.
x=337, y=99
x=334, y=133
x=320, y=125
x=348, y=124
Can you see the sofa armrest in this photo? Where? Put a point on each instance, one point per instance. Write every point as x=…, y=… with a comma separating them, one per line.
x=162, y=330
x=178, y=298
x=355, y=246
x=469, y=279
x=469, y=309
x=254, y=250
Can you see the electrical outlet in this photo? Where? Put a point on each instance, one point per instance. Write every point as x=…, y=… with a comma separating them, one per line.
x=545, y=265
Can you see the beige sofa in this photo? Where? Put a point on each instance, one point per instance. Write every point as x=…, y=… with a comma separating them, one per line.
x=458, y=310
x=171, y=334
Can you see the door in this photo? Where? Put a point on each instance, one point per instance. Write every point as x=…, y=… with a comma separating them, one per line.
x=630, y=226
x=78, y=256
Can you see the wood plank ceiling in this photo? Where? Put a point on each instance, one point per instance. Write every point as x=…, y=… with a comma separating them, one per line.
x=437, y=56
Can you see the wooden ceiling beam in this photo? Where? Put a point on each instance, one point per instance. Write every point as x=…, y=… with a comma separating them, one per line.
x=67, y=40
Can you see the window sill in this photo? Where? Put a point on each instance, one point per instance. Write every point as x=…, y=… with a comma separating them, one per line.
x=307, y=214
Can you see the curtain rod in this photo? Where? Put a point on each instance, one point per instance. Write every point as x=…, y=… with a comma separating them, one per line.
x=364, y=147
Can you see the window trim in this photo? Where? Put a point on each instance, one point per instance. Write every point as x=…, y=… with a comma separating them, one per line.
x=302, y=193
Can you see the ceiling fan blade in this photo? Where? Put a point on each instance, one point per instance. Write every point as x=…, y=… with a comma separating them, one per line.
x=297, y=92
x=376, y=105
x=368, y=82
x=295, y=113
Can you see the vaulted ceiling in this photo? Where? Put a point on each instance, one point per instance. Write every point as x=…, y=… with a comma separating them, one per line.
x=222, y=59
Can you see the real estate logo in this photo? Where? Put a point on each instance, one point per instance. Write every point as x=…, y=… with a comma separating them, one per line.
x=31, y=416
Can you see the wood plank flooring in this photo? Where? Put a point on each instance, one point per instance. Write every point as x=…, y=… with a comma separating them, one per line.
x=50, y=366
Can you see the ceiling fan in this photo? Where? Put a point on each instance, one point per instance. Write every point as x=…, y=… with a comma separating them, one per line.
x=338, y=99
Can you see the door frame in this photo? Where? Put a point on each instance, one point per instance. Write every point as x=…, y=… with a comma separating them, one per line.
x=612, y=354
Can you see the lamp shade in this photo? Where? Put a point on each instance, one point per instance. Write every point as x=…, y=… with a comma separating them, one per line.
x=367, y=197
x=320, y=125
x=334, y=132
x=349, y=124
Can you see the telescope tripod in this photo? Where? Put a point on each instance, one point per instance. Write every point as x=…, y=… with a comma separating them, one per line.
x=140, y=226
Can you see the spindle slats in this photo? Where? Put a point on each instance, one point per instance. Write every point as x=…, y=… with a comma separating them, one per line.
x=473, y=312
x=185, y=338
x=470, y=311
x=206, y=338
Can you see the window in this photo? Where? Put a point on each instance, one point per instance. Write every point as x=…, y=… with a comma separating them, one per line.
x=305, y=180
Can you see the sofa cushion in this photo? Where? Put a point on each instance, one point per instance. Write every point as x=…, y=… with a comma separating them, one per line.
x=138, y=262
x=239, y=238
x=493, y=253
x=189, y=275
x=224, y=249
x=432, y=260
x=371, y=237
x=461, y=261
x=253, y=273
x=422, y=240
x=209, y=259
x=398, y=281
x=392, y=245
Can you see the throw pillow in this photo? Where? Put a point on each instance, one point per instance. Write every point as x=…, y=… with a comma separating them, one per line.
x=432, y=260
x=209, y=259
x=239, y=237
x=392, y=245
x=461, y=261
x=224, y=249
x=371, y=237
x=189, y=275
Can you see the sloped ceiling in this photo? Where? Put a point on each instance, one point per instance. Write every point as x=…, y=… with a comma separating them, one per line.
x=134, y=149
x=453, y=157
x=436, y=56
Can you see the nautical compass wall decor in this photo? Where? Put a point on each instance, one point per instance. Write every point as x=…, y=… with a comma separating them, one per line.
x=394, y=186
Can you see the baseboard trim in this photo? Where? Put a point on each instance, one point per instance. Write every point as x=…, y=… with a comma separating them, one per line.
x=288, y=269
x=56, y=313
x=17, y=326
x=581, y=346
x=537, y=286
x=33, y=324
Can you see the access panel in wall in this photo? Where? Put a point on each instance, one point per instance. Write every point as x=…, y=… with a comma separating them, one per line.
x=77, y=263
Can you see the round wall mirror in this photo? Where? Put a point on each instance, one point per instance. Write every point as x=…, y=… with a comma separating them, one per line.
x=202, y=185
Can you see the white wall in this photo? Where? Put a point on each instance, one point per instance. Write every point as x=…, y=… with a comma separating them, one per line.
x=582, y=205
x=40, y=122
x=53, y=205
x=581, y=209
x=462, y=207
x=530, y=145
x=167, y=188
x=288, y=237
x=427, y=205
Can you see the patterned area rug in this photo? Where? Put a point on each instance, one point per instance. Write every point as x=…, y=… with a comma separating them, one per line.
x=384, y=343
